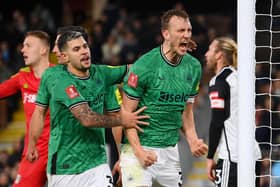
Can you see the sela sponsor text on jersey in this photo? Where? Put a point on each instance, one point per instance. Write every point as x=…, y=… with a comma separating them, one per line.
x=173, y=97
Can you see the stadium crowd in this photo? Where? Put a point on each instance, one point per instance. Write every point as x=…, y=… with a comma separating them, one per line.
x=118, y=37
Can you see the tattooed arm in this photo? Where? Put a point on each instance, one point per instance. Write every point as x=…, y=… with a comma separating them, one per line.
x=89, y=118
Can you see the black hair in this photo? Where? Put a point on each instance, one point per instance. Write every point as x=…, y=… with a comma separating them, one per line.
x=75, y=28
x=66, y=37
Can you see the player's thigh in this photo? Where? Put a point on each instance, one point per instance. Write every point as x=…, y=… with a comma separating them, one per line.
x=168, y=169
x=226, y=173
x=31, y=173
x=99, y=176
x=133, y=174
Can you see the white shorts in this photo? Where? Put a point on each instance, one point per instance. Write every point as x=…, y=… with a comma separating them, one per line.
x=166, y=171
x=99, y=176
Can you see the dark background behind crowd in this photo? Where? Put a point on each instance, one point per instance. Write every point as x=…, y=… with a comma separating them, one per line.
x=119, y=32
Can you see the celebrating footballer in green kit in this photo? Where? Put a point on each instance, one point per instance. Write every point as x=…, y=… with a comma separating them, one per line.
x=75, y=96
x=165, y=91
x=165, y=79
x=91, y=91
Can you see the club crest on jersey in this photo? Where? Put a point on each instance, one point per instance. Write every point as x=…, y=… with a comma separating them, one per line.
x=72, y=92
x=133, y=80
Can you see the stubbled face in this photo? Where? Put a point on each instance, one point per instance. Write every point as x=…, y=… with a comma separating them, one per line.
x=32, y=50
x=211, y=55
x=78, y=54
x=178, y=34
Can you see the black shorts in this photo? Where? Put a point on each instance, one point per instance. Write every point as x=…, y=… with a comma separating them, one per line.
x=226, y=174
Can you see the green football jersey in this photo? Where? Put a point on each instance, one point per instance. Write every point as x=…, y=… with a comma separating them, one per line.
x=164, y=88
x=74, y=148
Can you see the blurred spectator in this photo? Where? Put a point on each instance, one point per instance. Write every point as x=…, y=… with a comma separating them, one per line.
x=200, y=27
x=5, y=73
x=276, y=84
x=16, y=29
x=127, y=34
x=202, y=108
x=97, y=40
x=4, y=110
x=17, y=61
x=4, y=179
x=263, y=131
x=111, y=50
x=275, y=172
x=41, y=19
x=5, y=52
x=19, y=22
x=265, y=172
x=67, y=18
x=130, y=48
x=119, y=31
x=16, y=153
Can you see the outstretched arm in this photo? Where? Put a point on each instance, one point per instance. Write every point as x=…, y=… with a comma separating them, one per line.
x=146, y=158
x=197, y=146
x=89, y=118
x=36, y=127
x=10, y=86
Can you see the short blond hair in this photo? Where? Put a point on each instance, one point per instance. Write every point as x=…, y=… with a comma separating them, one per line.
x=41, y=35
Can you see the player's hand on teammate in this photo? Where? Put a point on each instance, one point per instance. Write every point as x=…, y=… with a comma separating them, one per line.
x=211, y=169
x=133, y=119
x=191, y=45
x=198, y=148
x=146, y=157
x=32, y=153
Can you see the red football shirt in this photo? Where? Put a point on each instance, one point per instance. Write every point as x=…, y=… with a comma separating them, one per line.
x=26, y=82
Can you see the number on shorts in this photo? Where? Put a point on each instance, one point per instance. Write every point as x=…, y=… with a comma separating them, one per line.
x=180, y=182
x=110, y=180
x=218, y=176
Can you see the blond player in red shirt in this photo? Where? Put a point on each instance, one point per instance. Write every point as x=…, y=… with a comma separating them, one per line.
x=36, y=49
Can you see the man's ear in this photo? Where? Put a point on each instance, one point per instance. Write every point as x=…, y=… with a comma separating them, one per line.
x=43, y=50
x=219, y=55
x=165, y=34
x=64, y=57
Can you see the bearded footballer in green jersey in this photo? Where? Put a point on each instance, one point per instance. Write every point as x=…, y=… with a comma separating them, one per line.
x=112, y=99
x=166, y=80
x=77, y=148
